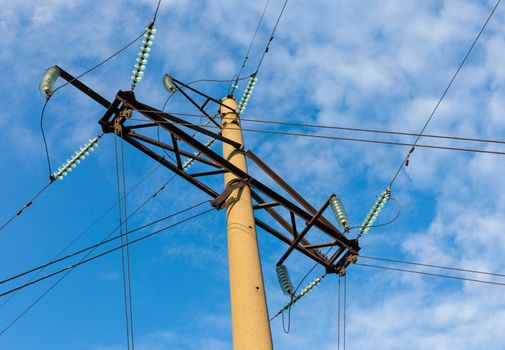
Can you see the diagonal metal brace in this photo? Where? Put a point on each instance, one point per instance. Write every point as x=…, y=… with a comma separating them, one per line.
x=300, y=236
x=220, y=201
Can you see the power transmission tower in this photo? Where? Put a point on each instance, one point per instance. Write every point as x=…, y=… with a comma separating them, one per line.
x=281, y=214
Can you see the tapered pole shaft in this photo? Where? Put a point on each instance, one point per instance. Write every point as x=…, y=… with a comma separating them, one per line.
x=250, y=324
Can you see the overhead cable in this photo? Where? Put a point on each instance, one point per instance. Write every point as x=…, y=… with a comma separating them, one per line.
x=327, y=137
x=103, y=254
x=126, y=289
x=342, y=128
x=407, y=156
x=84, y=231
x=480, y=272
x=267, y=47
x=234, y=86
x=89, y=252
x=102, y=242
x=432, y=274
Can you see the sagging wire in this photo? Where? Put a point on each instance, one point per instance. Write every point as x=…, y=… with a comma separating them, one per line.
x=368, y=223
x=397, y=215
x=46, y=87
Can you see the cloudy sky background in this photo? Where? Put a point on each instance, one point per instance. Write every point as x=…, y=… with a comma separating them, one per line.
x=364, y=64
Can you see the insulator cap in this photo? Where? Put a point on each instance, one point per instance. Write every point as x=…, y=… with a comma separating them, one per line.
x=339, y=211
x=284, y=280
x=46, y=85
x=168, y=83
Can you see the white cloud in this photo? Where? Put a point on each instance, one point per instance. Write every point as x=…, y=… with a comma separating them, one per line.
x=363, y=64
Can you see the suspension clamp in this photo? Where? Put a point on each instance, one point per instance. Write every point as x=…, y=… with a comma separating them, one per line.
x=220, y=201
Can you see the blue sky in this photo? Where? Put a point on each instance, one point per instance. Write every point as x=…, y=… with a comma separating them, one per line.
x=364, y=64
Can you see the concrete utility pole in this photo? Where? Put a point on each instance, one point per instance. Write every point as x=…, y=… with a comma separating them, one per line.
x=250, y=324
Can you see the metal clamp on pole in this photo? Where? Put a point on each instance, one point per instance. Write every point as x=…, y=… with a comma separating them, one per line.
x=220, y=201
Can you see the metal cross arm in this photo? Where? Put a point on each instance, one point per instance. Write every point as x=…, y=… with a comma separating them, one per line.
x=173, y=125
x=117, y=120
x=83, y=87
x=298, y=207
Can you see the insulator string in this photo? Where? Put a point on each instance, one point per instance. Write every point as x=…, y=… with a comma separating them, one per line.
x=247, y=94
x=339, y=211
x=284, y=280
x=374, y=212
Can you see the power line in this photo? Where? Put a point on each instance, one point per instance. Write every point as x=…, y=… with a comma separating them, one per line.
x=271, y=36
x=156, y=12
x=104, y=253
x=377, y=131
x=126, y=240
x=345, y=308
x=106, y=240
x=443, y=94
x=89, y=227
x=26, y=205
x=432, y=274
x=44, y=135
x=155, y=193
x=371, y=141
x=125, y=287
x=232, y=88
x=434, y=266
x=327, y=137
x=344, y=128
x=338, y=315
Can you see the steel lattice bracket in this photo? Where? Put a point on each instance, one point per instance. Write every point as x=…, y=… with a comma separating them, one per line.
x=295, y=208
